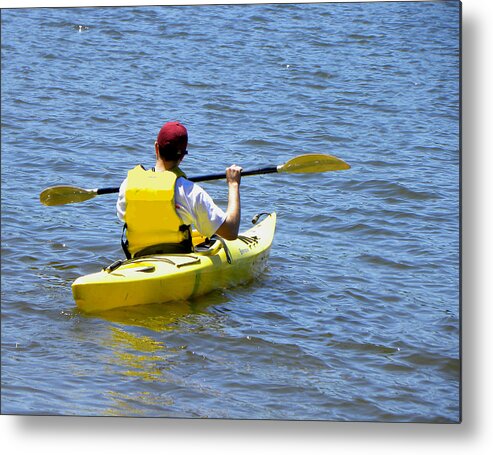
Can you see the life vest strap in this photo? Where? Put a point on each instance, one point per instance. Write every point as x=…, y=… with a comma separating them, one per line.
x=184, y=247
x=124, y=242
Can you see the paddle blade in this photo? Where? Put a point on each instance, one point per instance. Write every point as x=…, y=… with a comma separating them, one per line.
x=313, y=162
x=60, y=195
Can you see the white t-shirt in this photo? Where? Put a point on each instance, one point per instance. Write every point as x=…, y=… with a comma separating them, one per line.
x=193, y=205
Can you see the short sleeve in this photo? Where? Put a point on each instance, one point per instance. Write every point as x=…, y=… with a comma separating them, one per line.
x=121, y=204
x=195, y=207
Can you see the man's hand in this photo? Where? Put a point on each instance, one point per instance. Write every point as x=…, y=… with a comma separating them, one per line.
x=233, y=174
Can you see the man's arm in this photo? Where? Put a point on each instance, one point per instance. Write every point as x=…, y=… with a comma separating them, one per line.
x=231, y=225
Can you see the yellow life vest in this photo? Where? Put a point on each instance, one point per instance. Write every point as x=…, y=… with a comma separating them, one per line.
x=151, y=221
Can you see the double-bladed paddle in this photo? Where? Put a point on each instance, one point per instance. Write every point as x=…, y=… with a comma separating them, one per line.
x=301, y=164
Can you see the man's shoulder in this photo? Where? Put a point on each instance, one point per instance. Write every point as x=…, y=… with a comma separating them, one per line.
x=188, y=188
x=188, y=184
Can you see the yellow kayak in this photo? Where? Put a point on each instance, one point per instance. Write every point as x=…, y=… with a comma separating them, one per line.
x=168, y=277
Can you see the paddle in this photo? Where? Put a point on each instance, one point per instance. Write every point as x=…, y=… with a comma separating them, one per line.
x=302, y=164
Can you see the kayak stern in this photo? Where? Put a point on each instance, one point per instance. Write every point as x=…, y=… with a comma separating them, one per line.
x=173, y=277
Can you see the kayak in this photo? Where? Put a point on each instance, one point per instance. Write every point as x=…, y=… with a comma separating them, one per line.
x=159, y=278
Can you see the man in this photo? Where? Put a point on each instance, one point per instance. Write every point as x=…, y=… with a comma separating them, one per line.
x=158, y=206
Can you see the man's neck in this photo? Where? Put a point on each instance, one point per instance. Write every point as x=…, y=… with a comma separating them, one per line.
x=164, y=165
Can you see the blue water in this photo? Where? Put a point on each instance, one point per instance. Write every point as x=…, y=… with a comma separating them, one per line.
x=356, y=318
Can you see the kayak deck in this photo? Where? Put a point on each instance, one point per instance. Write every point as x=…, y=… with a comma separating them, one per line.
x=168, y=277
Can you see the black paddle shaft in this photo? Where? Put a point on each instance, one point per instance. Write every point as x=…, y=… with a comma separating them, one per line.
x=107, y=190
x=204, y=178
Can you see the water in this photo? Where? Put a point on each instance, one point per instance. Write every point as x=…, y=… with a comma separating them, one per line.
x=357, y=317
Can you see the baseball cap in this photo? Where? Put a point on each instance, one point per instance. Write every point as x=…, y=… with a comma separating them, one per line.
x=173, y=135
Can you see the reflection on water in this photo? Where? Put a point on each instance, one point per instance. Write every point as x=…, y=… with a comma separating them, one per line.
x=140, y=347
x=161, y=317
x=136, y=405
x=138, y=355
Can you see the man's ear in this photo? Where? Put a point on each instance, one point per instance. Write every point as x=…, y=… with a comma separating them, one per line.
x=156, y=149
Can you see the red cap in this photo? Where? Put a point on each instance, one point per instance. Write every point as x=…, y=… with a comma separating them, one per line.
x=173, y=134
